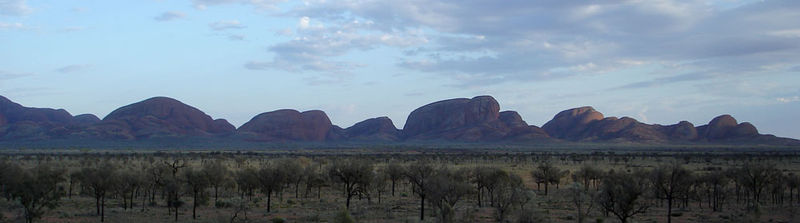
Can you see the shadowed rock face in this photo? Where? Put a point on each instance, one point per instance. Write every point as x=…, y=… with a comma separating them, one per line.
x=85, y=119
x=472, y=120
x=158, y=117
x=725, y=127
x=374, y=129
x=19, y=122
x=288, y=124
x=13, y=113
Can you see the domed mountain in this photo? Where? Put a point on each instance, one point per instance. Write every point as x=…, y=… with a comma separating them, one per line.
x=288, y=125
x=159, y=117
x=470, y=120
x=374, y=129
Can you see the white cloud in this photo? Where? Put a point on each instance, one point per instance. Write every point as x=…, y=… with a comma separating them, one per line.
x=788, y=99
x=304, y=22
x=259, y=4
x=12, y=26
x=226, y=24
x=14, y=8
x=169, y=16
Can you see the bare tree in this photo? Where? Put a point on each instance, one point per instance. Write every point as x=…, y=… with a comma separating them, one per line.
x=755, y=177
x=670, y=182
x=354, y=175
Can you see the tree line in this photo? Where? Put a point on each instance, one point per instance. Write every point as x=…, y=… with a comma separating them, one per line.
x=441, y=188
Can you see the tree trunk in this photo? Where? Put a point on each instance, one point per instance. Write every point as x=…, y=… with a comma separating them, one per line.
x=269, y=200
x=422, y=208
x=103, y=209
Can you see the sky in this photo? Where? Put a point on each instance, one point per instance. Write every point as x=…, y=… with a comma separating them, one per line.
x=658, y=61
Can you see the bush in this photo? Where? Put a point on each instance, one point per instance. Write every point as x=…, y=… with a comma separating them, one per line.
x=223, y=204
x=343, y=216
x=277, y=220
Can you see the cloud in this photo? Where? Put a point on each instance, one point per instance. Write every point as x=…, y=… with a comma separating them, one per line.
x=7, y=75
x=72, y=29
x=315, y=47
x=788, y=99
x=226, y=24
x=73, y=68
x=259, y=4
x=169, y=16
x=12, y=26
x=14, y=8
x=236, y=37
x=477, y=43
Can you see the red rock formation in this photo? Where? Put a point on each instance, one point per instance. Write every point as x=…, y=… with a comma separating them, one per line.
x=571, y=123
x=162, y=116
x=288, y=124
x=374, y=129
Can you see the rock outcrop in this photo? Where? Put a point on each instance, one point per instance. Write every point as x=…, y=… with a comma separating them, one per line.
x=159, y=117
x=470, y=120
x=288, y=125
x=374, y=129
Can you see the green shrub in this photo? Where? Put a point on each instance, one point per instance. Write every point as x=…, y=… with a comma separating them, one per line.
x=277, y=220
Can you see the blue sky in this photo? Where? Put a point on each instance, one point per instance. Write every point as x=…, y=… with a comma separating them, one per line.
x=659, y=61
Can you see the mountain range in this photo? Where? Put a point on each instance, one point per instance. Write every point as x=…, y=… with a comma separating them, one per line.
x=463, y=120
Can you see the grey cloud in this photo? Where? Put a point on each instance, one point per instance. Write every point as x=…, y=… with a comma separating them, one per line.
x=236, y=37
x=14, y=8
x=169, y=16
x=8, y=75
x=226, y=24
x=536, y=40
x=12, y=26
x=74, y=68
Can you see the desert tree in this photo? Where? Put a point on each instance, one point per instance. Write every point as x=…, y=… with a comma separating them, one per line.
x=354, y=175
x=100, y=180
x=445, y=189
x=756, y=177
x=418, y=173
x=9, y=176
x=218, y=175
x=247, y=180
x=378, y=184
x=37, y=190
x=486, y=178
x=196, y=181
x=670, y=182
x=130, y=181
x=588, y=176
x=293, y=171
x=395, y=172
x=624, y=194
x=313, y=179
x=173, y=186
x=582, y=199
x=271, y=180
x=545, y=173
x=510, y=195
